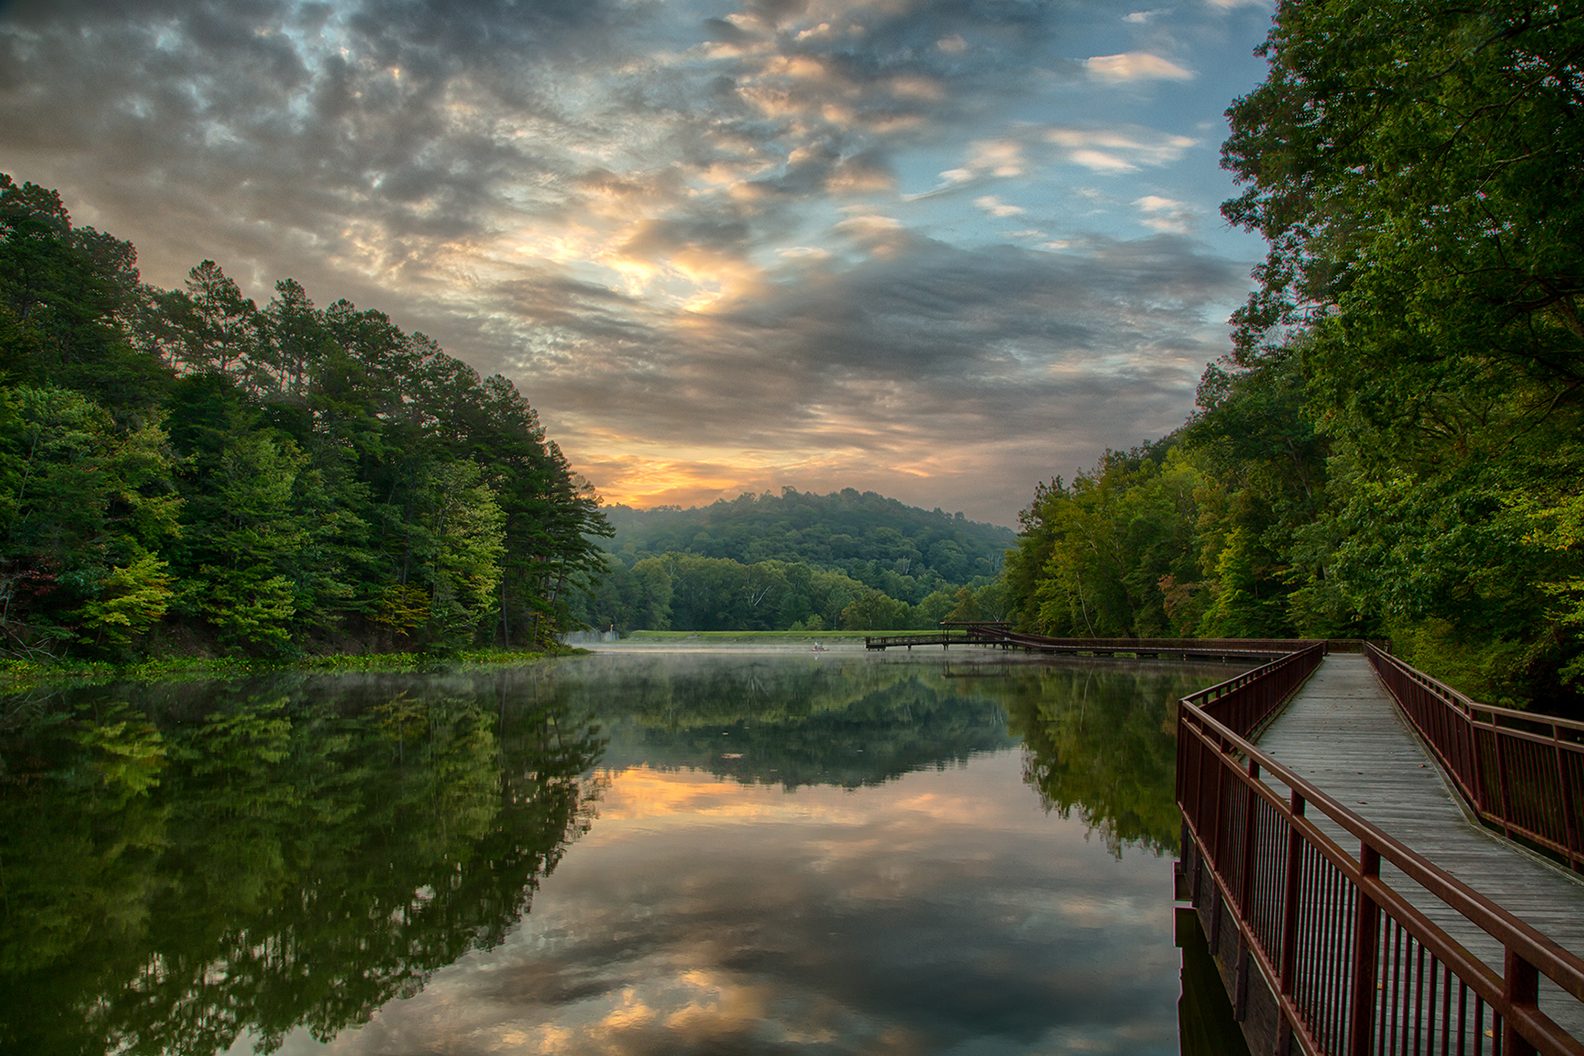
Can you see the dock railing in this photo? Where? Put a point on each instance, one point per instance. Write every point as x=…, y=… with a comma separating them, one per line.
x=1347, y=962
x=1521, y=772
x=964, y=632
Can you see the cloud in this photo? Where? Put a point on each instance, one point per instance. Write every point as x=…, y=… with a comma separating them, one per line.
x=1119, y=149
x=1135, y=66
x=996, y=208
x=679, y=227
x=1167, y=215
x=830, y=371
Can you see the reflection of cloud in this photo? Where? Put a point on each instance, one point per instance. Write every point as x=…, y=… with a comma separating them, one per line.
x=639, y=793
x=1135, y=66
x=932, y=914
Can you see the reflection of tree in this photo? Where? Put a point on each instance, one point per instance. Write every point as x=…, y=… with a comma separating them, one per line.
x=205, y=862
x=174, y=875
x=791, y=722
x=1101, y=740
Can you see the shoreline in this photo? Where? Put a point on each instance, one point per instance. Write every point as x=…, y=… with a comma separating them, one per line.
x=21, y=675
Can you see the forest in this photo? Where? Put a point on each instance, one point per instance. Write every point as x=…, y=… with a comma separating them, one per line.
x=796, y=561
x=184, y=472
x=1394, y=447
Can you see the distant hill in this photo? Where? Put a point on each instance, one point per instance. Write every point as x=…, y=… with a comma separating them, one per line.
x=845, y=531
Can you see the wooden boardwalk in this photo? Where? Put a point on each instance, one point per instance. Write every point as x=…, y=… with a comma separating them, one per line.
x=1343, y=732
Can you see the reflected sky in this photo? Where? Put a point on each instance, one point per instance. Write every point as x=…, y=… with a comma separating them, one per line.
x=707, y=852
x=939, y=910
x=945, y=911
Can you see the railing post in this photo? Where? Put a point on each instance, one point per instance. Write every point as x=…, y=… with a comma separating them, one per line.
x=1366, y=947
x=1521, y=986
x=1286, y=969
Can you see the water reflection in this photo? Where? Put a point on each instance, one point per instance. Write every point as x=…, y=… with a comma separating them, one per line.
x=790, y=853
x=226, y=859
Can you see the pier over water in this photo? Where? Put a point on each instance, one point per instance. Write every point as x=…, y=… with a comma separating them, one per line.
x=1351, y=896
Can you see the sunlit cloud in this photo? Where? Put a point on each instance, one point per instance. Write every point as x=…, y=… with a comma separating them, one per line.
x=1135, y=66
x=715, y=246
x=1167, y=215
x=1122, y=149
x=997, y=208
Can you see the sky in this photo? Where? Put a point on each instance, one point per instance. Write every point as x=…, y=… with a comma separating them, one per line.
x=938, y=249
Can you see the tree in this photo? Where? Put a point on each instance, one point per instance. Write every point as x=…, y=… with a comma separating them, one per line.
x=1414, y=166
x=84, y=505
x=67, y=296
x=1094, y=553
x=462, y=534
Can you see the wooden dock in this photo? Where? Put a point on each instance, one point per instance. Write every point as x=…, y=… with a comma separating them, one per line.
x=1343, y=733
x=1001, y=636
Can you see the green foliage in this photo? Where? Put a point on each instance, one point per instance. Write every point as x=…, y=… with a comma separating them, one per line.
x=685, y=592
x=67, y=295
x=462, y=536
x=132, y=600
x=1413, y=167
x=1097, y=557
x=182, y=469
x=845, y=560
x=1396, y=443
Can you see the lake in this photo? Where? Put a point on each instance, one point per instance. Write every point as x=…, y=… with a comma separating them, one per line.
x=644, y=850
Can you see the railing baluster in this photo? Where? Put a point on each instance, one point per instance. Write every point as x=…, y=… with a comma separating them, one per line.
x=1515, y=769
x=1366, y=942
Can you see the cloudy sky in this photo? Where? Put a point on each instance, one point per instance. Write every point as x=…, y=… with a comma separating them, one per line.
x=939, y=249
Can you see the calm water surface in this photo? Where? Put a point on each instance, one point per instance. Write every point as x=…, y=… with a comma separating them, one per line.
x=640, y=851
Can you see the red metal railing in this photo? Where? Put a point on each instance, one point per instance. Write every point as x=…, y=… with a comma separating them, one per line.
x=1522, y=772
x=1243, y=703
x=1353, y=966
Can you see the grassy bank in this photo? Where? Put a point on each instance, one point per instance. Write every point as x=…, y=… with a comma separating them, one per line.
x=22, y=674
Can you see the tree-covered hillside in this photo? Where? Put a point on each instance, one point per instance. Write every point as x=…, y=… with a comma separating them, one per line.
x=838, y=532
x=182, y=470
x=797, y=561
x=1395, y=446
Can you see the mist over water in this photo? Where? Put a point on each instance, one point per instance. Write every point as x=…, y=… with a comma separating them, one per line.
x=638, y=851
